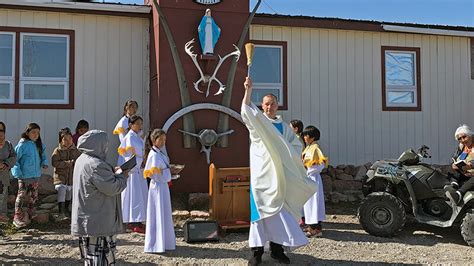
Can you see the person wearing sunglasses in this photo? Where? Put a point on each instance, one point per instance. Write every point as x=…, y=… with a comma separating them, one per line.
x=465, y=152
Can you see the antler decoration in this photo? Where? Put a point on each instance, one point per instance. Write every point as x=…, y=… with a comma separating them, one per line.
x=235, y=53
x=206, y=78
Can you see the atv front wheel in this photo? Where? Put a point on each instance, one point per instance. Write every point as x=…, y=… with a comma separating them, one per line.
x=467, y=228
x=381, y=214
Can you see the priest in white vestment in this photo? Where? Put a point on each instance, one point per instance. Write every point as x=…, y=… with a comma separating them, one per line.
x=278, y=181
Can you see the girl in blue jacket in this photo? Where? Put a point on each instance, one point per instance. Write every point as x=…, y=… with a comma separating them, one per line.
x=31, y=157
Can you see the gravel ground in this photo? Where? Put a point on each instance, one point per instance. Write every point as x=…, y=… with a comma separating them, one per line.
x=344, y=242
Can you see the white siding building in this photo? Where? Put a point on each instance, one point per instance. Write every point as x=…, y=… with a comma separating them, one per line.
x=334, y=81
x=372, y=89
x=110, y=63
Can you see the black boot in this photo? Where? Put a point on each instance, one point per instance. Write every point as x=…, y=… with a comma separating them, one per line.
x=278, y=253
x=67, y=203
x=256, y=256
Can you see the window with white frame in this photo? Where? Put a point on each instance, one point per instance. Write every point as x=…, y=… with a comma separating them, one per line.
x=36, y=68
x=44, y=68
x=401, y=78
x=267, y=71
x=7, y=67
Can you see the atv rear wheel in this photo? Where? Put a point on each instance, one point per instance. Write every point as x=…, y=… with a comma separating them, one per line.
x=467, y=228
x=381, y=214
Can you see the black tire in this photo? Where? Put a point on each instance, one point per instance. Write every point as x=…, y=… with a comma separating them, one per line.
x=382, y=214
x=467, y=228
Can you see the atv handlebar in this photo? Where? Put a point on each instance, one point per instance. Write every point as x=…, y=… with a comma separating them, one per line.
x=423, y=152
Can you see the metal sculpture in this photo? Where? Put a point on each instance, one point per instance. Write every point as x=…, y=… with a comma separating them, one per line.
x=200, y=106
x=223, y=122
x=206, y=78
x=188, y=120
x=207, y=138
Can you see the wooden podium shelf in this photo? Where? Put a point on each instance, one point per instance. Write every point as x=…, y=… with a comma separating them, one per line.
x=229, y=190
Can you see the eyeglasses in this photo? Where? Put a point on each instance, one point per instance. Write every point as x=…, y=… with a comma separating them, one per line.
x=462, y=137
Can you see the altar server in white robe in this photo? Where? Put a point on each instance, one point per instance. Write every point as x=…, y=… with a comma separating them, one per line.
x=314, y=161
x=134, y=197
x=121, y=128
x=160, y=234
x=278, y=181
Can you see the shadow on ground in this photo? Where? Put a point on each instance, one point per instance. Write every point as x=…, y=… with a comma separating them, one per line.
x=38, y=260
x=196, y=252
x=342, y=208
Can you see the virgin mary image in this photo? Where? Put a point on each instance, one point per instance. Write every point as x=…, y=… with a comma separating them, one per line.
x=209, y=33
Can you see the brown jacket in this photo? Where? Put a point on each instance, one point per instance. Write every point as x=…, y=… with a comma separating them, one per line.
x=63, y=162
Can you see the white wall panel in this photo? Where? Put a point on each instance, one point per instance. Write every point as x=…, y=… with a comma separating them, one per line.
x=334, y=83
x=111, y=66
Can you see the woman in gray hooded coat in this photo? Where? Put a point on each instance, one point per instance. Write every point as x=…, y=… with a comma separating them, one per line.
x=96, y=203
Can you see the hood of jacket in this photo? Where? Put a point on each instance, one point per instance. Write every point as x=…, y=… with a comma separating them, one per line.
x=23, y=141
x=61, y=147
x=94, y=143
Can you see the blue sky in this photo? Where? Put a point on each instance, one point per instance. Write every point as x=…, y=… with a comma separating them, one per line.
x=441, y=12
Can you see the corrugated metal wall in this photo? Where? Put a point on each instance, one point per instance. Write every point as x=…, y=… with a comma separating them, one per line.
x=112, y=66
x=334, y=82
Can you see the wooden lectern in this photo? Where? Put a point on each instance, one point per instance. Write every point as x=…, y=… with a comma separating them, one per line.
x=229, y=190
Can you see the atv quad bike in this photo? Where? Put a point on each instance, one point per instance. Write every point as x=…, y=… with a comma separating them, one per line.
x=395, y=188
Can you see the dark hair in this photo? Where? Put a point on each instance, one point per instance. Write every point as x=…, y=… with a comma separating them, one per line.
x=150, y=138
x=4, y=127
x=127, y=104
x=270, y=95
x=63, y=132
x=82, y=124
x=133, y=119
x=38, y=142
x=298, y=124
x=312, y=132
